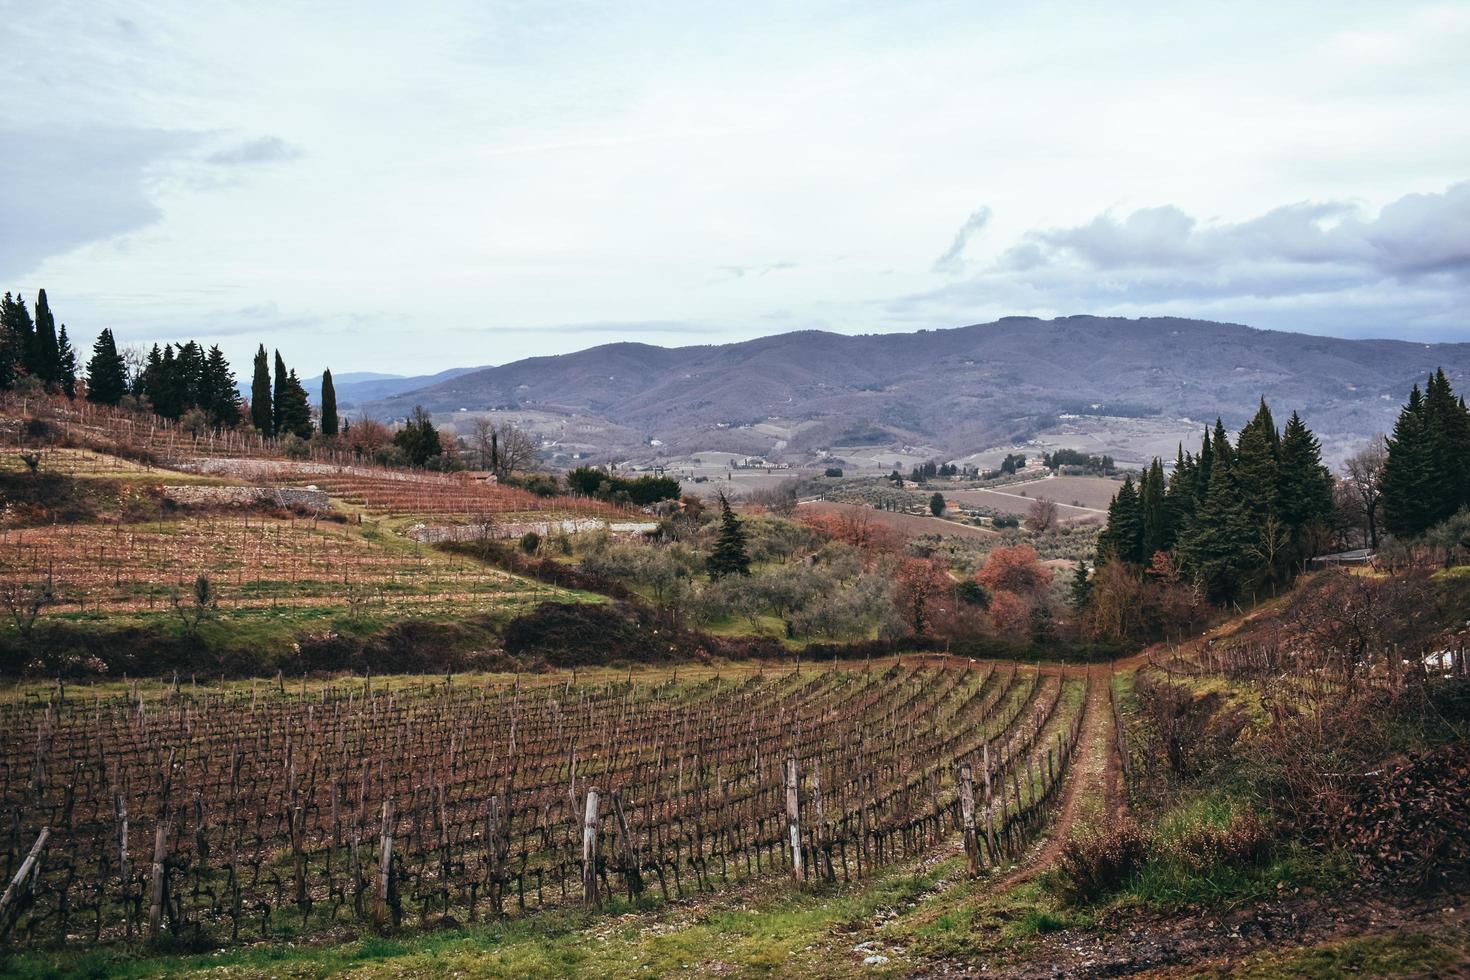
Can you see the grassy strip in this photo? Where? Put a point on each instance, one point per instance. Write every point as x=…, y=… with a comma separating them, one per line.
x=784, y=932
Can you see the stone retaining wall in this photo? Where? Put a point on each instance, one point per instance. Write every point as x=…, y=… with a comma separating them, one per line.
x=515, y=529
x=287, y=497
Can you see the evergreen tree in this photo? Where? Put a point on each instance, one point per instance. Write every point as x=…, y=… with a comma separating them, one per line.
x=262, y=405
x=1255, y=463
x=1122, y=538
x=1157, y=534
x=329, y=405
x=43, y=361
x=1180, y=498
x=729, y=556
x=107, y=380
x=167, y=398
x=1408, y=472
x=15, y=339
x=66, y=364
x=1449, y=445
x=1080, y=591
x=1205, y=468
x=147, y=384
x=1305, y=485
x=1216, y=545
x=293, y=411
x=220, y=395
x=418, y=438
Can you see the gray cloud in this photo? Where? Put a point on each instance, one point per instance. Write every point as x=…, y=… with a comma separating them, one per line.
x=68, y=187
x=266, y=149
x=953, y=259
x=1316, y=266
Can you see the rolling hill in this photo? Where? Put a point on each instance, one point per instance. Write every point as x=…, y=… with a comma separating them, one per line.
x=953, y=391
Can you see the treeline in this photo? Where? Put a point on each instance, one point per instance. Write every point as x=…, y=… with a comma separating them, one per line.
x=180, y=382
x=1231, y=518
x=1072, y=457
x=643, y=490
x=1426, y=473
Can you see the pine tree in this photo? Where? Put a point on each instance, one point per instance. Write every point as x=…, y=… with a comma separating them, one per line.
x=66, y=364
x=221, y=396
x=1179, y=498
x=1408, y=473
x=1256, y=465
x=329, y=405
x=1449, y=443
x=15, y=339
x=1215, y=547
x=418, y=438
x=1122, y=538
x=1080, y=591
x=262, y=410
x=147, y=384
x=107, y=379
x=43, y=360
x=1305, y=485
x=729, y=556
x=292, y=410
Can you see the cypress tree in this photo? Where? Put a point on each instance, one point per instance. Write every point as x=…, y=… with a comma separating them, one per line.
x=329, y=405
x=66, y=364
x=729, y=556
x=278, y=394
x=1157, y=534
x=44, y=360
x=1408, y=472
x=262, y=411
x=1179, y=498
x=107, y=379
x=1255, y=462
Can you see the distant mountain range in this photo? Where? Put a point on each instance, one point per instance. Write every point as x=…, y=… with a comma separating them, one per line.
x=951, y=391
x=356, y=387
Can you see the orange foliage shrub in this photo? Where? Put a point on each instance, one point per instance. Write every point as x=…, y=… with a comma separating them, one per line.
x=1017, y=571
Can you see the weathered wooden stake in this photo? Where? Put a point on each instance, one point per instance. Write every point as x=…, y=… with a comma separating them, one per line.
x=12, y=891
x=793, y=816
x=382, y=909
x=589, y=851
x=967, y=817
x=155, y=891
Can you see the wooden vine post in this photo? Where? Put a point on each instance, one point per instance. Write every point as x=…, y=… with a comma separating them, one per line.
x=967, y=818
x=382, y=908
x=589, y=851
x=156, y=885
x=13, y=890
x=793, y=816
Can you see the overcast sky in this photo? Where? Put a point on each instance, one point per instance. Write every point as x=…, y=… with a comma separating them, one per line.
x=409, y=187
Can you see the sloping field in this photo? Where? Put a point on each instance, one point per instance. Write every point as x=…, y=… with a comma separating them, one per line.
x=1078, y=498
x=909, y=525
x=349, y=803
x=252, y=561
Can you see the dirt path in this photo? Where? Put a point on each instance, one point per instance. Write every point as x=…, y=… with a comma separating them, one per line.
x=1089, y=777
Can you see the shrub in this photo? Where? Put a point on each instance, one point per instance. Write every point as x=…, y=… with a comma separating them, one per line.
x=1092, y=866
x=530, y=542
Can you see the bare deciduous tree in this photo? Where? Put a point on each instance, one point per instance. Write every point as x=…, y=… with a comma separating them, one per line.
x=25, y=601
x=1364, y=471
x=1042, y=516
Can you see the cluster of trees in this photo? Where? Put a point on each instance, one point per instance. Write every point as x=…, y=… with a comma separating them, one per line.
x=1233, y=516
x=174, y=381
x=282, y=408
x=1071, y=457
x=1425, y=478
x=643, y=490
x=32, y=346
